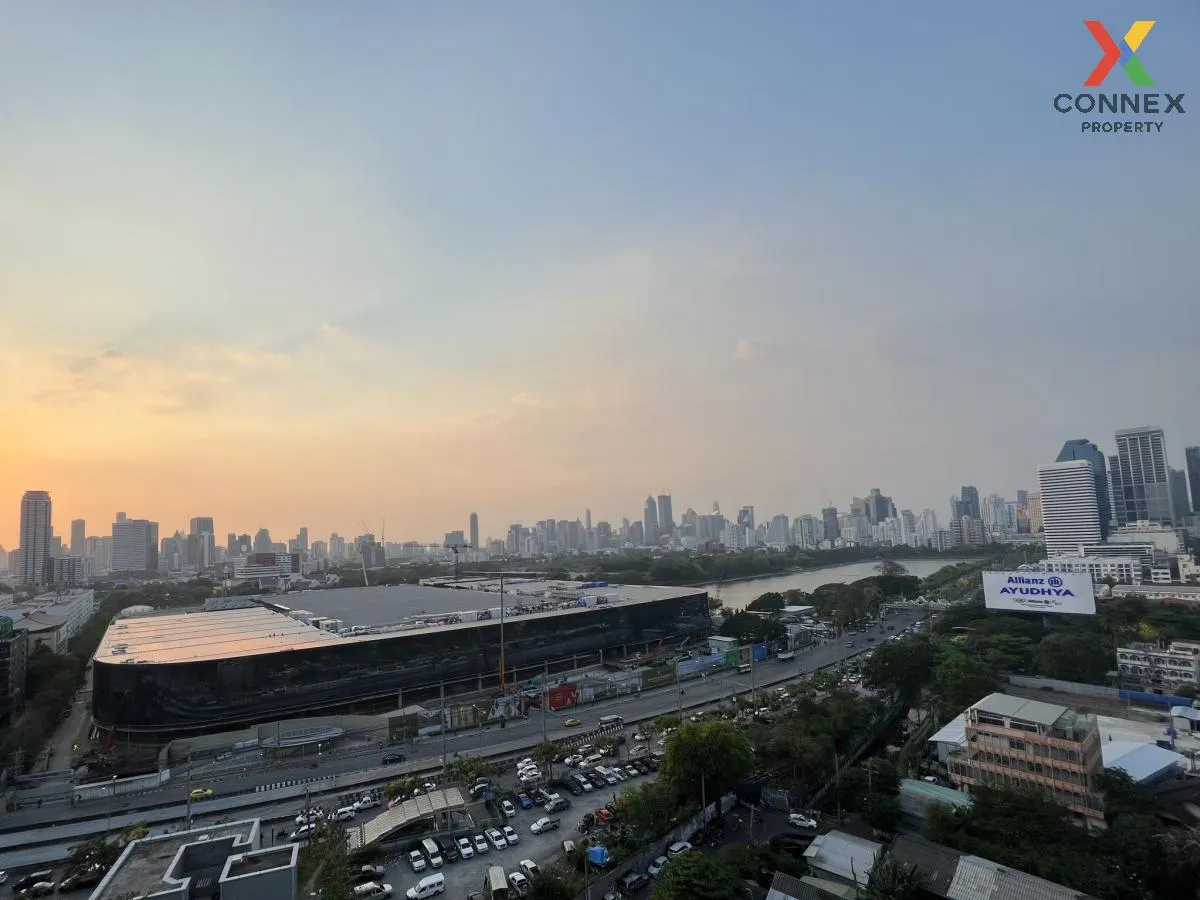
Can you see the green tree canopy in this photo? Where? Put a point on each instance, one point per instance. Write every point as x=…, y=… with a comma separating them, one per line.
x=891, y=880
x=747, y=628
x=1074, y=656
x=707, y=758
x=649, y=808
x=694, y=876
x=770, y=602
x=903, y=666
x=468, y=768
x=552, y=884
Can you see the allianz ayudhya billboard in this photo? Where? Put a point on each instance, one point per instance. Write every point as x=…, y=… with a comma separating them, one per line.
x=1044, y=592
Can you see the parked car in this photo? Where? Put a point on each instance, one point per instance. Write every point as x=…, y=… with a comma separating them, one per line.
x=530, y=868
x=417, y=861
x=510, y=835
x=801, y=821
x=544, y=824
x=632, y=882
x=678, y=848
x=392, y=758
x=525, y=800
x=481, y=844
x=367, y=873
x=465, y=850
x=508, y=809
x=495, y=838
x=656, y=867
x=519, y=883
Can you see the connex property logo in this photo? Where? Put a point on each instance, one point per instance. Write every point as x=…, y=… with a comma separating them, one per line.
x=1108, y=113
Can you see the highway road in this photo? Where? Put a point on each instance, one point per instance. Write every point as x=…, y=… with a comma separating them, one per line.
x=426, y=753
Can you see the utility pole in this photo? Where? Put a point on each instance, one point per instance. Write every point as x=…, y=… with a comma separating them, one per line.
x=545, y=698
x=678, y=693
x=502, y=633
x=442, y=714
x=753, y=686
x=188, y=822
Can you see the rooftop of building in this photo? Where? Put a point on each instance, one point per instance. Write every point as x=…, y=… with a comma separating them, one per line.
x=142, y=867
x=33, y=621
x=924, y=790
x=1011, y=707
x=843, y=855
x=957, y=876
x=272, y=623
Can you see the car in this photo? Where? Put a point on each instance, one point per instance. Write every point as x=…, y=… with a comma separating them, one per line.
x=525, y=800
x=496, y=839
x=545, y=823
x=3, y=876
x=677, y=848
x=632, y=772
x=519, y=883
x=558, y=804
x=530, y=868
x=508, y=809
x=366, y=801
x=572, y=723
x=656, y=867
x=801, y=821
x=510, y=835
x=481, y=844
x=638, y=736
x=392, y=758
x=41, y=889
x=632, y=882
x=417, y=861
x=200, y=793
x=465, y=850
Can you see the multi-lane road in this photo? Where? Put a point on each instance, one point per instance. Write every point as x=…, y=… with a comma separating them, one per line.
x=234, y=782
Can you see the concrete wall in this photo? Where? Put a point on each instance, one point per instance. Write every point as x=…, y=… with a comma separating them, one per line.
x=98, y=790
x=1067, y=687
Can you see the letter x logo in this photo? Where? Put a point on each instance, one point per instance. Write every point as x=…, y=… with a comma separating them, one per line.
x=1112, y=53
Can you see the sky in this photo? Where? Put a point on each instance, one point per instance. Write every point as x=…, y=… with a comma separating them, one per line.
x=304, y=263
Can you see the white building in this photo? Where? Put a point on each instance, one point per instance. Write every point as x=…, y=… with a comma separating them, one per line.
x=1176, y=664
x=36, y=534
x=1124, y=569
x=1165, y=540
x=134, y=545
x=1070, y=512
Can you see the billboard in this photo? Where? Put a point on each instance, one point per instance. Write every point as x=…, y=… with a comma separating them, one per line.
x=1045, y=592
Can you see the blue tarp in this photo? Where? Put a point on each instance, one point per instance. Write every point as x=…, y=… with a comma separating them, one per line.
x=1160, y=699
x=598, y=856
x=760, y=652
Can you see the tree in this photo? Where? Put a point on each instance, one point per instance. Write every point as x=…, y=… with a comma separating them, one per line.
x=696, y=877
x=770, y=602
x=892, y=880
x=903, y=667
x=546, y=753
x=467, y=769
x=1123, y=796
x=889, y=568
x=552, y=884
x=1074, y=656
x=961, y=680
x=747, y=628
x=649, y=808
x=706, y=759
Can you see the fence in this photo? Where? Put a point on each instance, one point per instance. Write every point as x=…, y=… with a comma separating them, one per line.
x=1065, y=687
x=117, y=787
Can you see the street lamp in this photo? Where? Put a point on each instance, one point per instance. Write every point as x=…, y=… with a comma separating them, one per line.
x=112, y=802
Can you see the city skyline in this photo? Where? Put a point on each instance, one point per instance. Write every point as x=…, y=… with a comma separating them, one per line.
x=412, y=263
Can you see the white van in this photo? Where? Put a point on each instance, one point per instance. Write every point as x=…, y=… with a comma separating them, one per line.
x=429, y=886
x=433, y=851
x=345, y=814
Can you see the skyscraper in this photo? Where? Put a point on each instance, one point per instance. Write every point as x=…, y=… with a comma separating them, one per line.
x=36, y=530
x=474, y=530
x=829, y=521
x=78, y=536
x=1141, y=485
x=650, y=522
x=135, y=545
x=1191, y=458
x=970, y=501
x=666, y=517
x=1179, y=494
x=1082, y=448
x=1070, y=513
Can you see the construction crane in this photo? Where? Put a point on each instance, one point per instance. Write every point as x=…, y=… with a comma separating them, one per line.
x=362, y=551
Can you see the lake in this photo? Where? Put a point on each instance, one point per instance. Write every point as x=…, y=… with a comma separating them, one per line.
x=737, y=594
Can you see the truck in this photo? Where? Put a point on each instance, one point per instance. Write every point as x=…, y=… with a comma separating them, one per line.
x=544, y=824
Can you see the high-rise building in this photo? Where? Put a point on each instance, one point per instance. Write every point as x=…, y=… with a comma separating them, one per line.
x=969, y=502
x=474, y=529
x=1141, y=486
x=666, y=517
x=778, y=531
x=1180, y=506
x=1070, y=512
x=829, y=523
x=1191, y=458
x=1082, y=448
x=262, y=541
x=745, y=517
x=78, y=536
x=37, y=529
x=650, y=522
x=879, y=507
x=199, y=548
x=135, y=545
x=302, y=538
